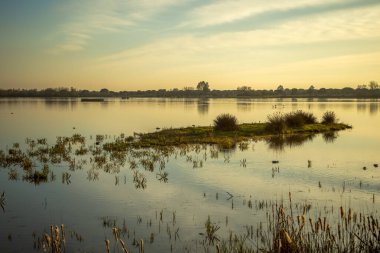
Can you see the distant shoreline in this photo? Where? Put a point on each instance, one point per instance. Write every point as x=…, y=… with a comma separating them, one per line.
x=193, y=93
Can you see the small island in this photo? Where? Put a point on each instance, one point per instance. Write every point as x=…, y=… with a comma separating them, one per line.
x=226, y=132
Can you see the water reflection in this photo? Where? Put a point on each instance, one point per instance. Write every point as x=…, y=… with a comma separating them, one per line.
x=347, y=106
x=105, y=104
x=61, y=104
x=244, y=105
x=203, y=106
x=15, y=103
x=372, y=107
x=280, y=142
x=330, y=137
x=190, y=185
x=361, y=107
x=38, y=160
x=322, y=106
x=189, y=104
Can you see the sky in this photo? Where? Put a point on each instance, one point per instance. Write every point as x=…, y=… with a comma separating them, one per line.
x=145, y=44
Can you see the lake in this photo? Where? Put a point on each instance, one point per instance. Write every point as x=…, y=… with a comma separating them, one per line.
x=169, y=211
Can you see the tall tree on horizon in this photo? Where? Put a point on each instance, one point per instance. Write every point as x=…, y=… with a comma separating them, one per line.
x=203, y=86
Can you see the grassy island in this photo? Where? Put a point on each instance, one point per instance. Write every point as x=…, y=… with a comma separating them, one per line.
x=227, y=133
x=246, y=131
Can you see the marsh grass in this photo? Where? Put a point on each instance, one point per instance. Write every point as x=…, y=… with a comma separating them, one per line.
x=276, y=123
x=53, y=242
x=292, y=228
x=329, y=117
x=299, y=118
x=281, y=123
x=226, y=122
x=210, y=236
x=303, y=232
x=36, y=176
x=285, y=226
x=2, y=201
x=229, y=139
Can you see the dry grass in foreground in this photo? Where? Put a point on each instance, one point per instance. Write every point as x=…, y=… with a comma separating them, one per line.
x=297, y=228
x=287, y=228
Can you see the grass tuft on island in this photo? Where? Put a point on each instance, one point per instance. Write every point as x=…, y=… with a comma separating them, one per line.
x=228, y=139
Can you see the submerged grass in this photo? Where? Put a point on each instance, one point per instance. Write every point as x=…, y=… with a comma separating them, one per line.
x=151, y=150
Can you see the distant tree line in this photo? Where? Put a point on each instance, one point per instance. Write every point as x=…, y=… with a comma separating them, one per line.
x=202, y=89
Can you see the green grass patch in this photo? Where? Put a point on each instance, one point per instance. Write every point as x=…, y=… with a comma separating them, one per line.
x=246, y=131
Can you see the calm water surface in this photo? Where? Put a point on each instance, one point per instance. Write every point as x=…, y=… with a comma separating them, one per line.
x=90, y=208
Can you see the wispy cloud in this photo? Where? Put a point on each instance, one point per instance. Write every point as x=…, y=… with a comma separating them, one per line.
x=351, y=24
x=89, y=18
x=257, y=55
x=226, y=11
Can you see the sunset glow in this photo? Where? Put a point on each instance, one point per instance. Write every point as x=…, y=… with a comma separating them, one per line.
x=132, y=45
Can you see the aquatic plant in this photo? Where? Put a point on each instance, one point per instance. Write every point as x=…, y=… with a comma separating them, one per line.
x=211, y=236
x=54, y=243
x=77, y=138
x=2, y=159
x=116, y=233
x=140, y=180
x=284, y=227
x=243, y=146
x=299, y=118
x=354, y=232
x=280, y=123
x=66, y=178
x=329, y=117
x=149, y=151
x=162, y=176
x=81, y=151
x=36, y=176
x=225, y=122
x=276, y=123
x=2, y=201
x=289, y=228
x=129, y=139
x=13, y=174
